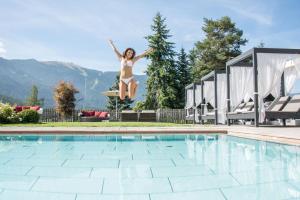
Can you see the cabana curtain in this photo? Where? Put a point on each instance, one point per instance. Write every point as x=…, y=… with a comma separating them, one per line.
x=209, y=93
x=270, y=68
x=198, y=97
x=189, y=99
x=291, y=74
x=222, y=92
x=241, y=85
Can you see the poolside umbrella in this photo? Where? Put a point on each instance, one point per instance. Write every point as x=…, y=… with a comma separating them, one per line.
x=113, y=93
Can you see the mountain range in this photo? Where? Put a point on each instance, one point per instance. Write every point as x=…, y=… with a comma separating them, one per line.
x=18, y=76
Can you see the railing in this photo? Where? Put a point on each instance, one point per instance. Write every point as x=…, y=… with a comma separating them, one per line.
x=163, y=115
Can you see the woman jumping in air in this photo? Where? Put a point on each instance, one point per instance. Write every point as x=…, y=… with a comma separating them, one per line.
x=126, y=77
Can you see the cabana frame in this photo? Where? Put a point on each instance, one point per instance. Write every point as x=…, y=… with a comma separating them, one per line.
x=193, y=87
x=249, y=59
x=212, y=76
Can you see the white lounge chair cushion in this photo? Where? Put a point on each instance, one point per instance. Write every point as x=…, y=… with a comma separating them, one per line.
x=148, y=111
x=279, y=104
x=128, y=111
x=248, y=107
x=293, y=105
x=239, y=108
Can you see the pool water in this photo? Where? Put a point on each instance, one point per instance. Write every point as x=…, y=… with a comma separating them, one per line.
x=147, y=167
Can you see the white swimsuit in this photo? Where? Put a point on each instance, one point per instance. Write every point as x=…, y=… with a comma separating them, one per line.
x=126, y=63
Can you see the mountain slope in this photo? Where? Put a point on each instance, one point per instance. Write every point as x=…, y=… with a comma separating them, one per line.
x=18, y=76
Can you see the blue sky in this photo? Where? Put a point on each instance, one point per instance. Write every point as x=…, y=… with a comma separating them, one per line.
x=76, y=31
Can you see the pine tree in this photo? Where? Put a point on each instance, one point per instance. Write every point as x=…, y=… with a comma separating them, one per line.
x=184, y=77
x=161, y=72
x=122, y=105
x=33, y=100
x=222, y=42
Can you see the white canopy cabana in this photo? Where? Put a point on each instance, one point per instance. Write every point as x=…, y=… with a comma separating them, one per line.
x=198, y=95
x=214, y=93
x=291, y=74
x=189, y=98
x=192, y=101
x=258, y=73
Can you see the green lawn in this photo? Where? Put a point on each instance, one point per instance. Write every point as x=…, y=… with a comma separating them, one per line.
x=99, y=124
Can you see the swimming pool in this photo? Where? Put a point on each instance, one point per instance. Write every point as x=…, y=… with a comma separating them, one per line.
x=146, y=167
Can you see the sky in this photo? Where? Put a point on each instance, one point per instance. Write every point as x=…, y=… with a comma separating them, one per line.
x=77, y=31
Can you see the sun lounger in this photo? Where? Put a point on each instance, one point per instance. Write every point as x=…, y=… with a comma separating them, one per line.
x=128, y=116
x=208, y=116
x=189, y=114
x=291, y=110
x=243, y=111
x=247, y=112
x=147, y=116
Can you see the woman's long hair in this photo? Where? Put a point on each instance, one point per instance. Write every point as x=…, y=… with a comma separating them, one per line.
x=133, y=54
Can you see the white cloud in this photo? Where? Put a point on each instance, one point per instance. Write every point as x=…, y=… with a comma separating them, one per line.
x=2, y=49
x=254, y=10
x=252, y=14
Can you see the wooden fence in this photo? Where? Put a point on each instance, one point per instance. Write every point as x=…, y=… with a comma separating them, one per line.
x=163, y=115
x=171, y=115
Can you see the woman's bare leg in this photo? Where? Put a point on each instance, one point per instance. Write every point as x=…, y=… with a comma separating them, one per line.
x=132, y=86
x=122, y=90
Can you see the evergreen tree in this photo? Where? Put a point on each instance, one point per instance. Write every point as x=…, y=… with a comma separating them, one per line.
x=33, y=100
x=122, y=105
x=261, y=45
x=222, y=42
x=161, y=72
x=184, y=77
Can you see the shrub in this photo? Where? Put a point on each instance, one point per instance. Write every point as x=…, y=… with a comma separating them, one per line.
x=64, y=96
x=139, y=106
x=28, y=116
x=6, y=112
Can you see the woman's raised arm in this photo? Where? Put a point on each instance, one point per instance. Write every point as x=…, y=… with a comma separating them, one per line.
x=147, y=52
x=119, y=55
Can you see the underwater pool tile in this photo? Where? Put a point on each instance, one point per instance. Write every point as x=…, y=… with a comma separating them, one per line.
x=147, y=163
x=183, y=184
x=112, y=197
x=181, y=171
x=35, y=162
x=30, y=195
x=68, y=185
x=63, y=172
x=17, y=182
x=274, y=191
x=92, y=163
x=14, y=170
x=161, y=167
x=128, y=172
x=196, y=195
x=136, y=186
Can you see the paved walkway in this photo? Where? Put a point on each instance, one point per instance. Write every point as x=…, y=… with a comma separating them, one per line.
x=287, y=135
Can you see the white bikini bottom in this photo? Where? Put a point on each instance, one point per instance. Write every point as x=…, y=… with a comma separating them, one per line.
x=126, y=80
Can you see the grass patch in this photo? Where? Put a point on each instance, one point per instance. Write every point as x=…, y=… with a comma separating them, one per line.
x=99, y=124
